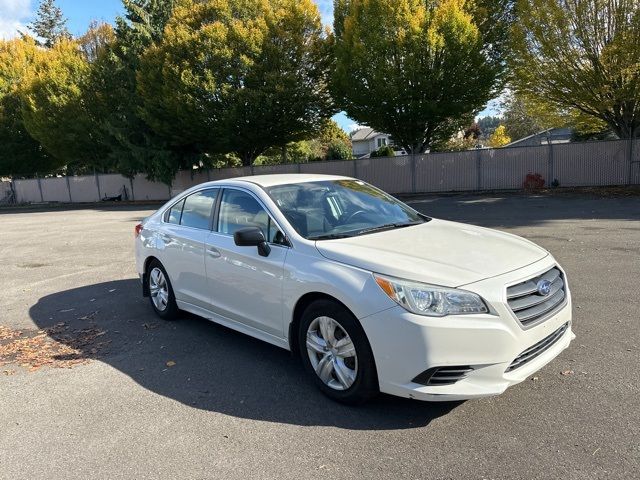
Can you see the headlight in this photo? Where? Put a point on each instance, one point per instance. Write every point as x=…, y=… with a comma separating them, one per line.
x=431, y=301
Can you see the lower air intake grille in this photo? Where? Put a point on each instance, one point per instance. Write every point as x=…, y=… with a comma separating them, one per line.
x=539, y=348
x=536, y=299
x=442, y=375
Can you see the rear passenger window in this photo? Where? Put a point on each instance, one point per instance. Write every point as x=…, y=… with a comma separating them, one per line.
x=174, y=214
x=197, y=209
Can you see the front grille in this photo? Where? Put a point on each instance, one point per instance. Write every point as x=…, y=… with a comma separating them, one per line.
x=539, y=348
x=442, y=375
x=529, y=305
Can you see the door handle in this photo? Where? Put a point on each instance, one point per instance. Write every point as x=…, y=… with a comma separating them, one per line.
x=213, y=252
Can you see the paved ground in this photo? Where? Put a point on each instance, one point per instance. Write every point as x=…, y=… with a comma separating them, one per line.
x=232, y=407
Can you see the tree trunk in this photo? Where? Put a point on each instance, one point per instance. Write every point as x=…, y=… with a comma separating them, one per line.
x=247, y=158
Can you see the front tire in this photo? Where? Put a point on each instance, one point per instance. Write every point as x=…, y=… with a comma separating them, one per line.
x=336, y=353
x=160, y=290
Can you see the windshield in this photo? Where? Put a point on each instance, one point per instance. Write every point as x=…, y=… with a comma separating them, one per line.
x=341, y=208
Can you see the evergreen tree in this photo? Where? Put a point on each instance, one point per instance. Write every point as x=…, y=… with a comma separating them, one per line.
x=50, y=24
x=134, y=147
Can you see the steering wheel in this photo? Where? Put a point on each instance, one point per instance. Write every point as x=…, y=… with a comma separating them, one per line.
x=354, y=215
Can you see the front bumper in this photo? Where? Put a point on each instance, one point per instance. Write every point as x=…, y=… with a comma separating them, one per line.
x=405, y=345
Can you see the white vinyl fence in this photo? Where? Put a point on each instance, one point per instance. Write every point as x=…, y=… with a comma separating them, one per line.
x=571, y=165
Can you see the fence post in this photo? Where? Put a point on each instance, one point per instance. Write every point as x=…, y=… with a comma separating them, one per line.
x=40, y=188
x=299, y=167
x=631, y=162
x=478, y=169
x=95, y=174
x=414, y=171
x=68, y=188
x=355, y=168
x=550, y=164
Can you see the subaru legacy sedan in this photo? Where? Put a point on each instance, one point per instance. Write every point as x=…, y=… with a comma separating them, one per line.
x=372, y=295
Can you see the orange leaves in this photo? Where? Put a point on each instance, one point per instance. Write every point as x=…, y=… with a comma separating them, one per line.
x=55, y=347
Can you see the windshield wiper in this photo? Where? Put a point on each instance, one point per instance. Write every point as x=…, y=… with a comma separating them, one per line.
x=330, y=236
x=388, y=226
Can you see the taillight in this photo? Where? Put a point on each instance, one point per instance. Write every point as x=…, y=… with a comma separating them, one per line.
x=139, y=228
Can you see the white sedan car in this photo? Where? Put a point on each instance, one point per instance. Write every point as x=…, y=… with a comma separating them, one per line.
x=371, y=294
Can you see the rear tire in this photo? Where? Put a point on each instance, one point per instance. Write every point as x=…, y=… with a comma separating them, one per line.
x=335, y=351
x=163, y=301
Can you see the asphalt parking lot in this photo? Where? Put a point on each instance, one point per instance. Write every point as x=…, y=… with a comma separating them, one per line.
x=140, y=398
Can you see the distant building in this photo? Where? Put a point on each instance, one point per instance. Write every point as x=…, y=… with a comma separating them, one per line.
x=551, y=136
x=366, y=140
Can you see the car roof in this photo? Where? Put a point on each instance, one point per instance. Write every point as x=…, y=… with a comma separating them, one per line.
x=283, y=179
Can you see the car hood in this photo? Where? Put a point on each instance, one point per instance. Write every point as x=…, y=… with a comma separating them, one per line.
x=438, y=252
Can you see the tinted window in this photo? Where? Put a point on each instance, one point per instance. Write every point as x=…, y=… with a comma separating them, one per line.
x=197, y=209
x=239, y=210
x=174, y=214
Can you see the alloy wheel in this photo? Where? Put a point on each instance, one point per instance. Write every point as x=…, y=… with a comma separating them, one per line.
x=332, y=353
x=158, y=289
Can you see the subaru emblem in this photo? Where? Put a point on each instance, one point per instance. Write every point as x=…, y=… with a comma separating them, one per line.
x=544, y=287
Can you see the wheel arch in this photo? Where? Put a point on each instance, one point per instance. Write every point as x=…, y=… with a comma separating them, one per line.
x=301, y=305
x=145, y=273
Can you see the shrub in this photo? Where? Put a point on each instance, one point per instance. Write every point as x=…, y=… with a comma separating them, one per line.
x=384, y=151
x=533, y=181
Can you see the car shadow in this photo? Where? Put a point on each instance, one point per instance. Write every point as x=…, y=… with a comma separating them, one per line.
x=207, y=366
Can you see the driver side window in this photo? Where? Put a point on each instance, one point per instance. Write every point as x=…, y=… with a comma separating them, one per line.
x=239, y=209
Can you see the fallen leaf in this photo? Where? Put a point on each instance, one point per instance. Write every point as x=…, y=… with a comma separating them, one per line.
x=170, y=363
x=567, y=372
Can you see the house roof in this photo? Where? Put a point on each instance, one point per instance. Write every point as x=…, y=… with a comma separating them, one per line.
x=364, y=133
x=548, y=132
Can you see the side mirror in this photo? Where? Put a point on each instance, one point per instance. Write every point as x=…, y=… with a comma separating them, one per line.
x=252, y=237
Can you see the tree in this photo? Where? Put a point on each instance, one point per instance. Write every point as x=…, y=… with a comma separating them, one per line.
x=20, y=154
x=53, y=106
x=581, y=58
x=419, y=69
x=487, y=125
x=96, y=41
x=133, y=146
x=50, y=24
x=335, y=143
x=499, y=138
x=238, y=76
x=521, y=120
x=330, y=143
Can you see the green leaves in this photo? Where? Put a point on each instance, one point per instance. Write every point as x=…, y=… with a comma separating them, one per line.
x=416, y=69
x=20, y=154
x=581, y=58
x=237, y=76
x=53, y=107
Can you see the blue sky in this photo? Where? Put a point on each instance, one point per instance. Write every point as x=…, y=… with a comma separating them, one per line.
x=16, y=14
